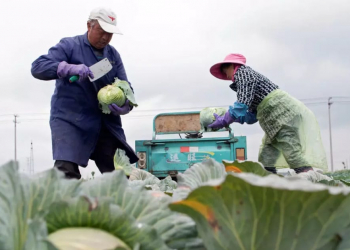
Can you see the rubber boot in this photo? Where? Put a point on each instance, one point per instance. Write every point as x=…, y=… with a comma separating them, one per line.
x=271, y=169
x=70, y=169
x=302, y=169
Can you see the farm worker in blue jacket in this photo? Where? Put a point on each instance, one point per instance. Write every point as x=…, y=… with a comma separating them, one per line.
x=80, y=131
x=292, y=135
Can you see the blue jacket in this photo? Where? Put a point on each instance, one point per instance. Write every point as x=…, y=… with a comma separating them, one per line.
x=75, y=118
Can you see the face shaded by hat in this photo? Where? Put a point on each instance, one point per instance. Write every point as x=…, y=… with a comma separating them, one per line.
x=232, y=62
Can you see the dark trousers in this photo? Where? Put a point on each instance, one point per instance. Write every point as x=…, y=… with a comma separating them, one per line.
x=103, y=155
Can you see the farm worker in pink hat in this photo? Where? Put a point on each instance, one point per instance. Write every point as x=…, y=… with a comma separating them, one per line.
x=292, y=135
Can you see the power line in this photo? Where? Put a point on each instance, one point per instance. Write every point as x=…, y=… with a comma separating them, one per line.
x=312, y=104
x=167, y=109
x=348, y=97
x=158, y=110
x=315, y=103
x=29, y=120
x=152, y=115
x=322, y=98
x=312, y=99
x=197, y=107
x=23, y=114
x=305, y=100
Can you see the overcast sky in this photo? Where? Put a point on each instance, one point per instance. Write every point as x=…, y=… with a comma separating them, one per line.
x=167, y=48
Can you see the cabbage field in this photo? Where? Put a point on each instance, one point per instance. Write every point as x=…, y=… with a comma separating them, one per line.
x=213, y=205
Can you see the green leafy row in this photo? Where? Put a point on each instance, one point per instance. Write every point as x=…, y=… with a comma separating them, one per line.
x=343, y=175
x=34, y=211
x=239, y=205
x=229, y=205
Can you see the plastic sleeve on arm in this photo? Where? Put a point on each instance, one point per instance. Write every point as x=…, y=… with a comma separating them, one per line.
x=238, y=111
x=45, y=67
x=250, y=118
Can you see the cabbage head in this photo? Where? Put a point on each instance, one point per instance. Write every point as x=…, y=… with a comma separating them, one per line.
x=117, y=92
x=125, y=86
x=80, y=238
x=108, y=95
x=207, y=117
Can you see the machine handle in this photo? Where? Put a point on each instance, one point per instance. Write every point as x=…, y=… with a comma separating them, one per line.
x=148, y=143
x=218, y=142
x=233, y=140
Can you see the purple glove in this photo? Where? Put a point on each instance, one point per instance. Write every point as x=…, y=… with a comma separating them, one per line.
x=64, y=69
x=222, y=121
x=120, y=110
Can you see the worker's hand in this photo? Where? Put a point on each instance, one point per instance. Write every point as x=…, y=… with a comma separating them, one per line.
x=125, y=109
x=64, y=69
x=222, y=121
x=218, y=123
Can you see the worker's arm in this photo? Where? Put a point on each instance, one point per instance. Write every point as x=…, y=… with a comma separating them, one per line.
x=45, y=67
x=246, y=85
x=250, y=117
x=121, y=75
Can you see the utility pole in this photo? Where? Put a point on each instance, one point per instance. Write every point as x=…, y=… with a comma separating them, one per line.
x=330, y=130
x=28, y=164
x=31, y=170
x=15, y=121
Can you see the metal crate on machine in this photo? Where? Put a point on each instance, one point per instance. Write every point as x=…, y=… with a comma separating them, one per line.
x=163, y=157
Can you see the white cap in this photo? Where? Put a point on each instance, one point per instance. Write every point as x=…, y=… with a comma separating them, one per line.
x=106, y=18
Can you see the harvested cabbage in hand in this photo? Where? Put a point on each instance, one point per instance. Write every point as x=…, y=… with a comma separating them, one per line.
x=129, y=94
x=116, y=93
x=207, y=117
x=108, y=95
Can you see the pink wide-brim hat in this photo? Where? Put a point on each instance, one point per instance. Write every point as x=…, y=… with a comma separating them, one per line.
x=231, y=58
